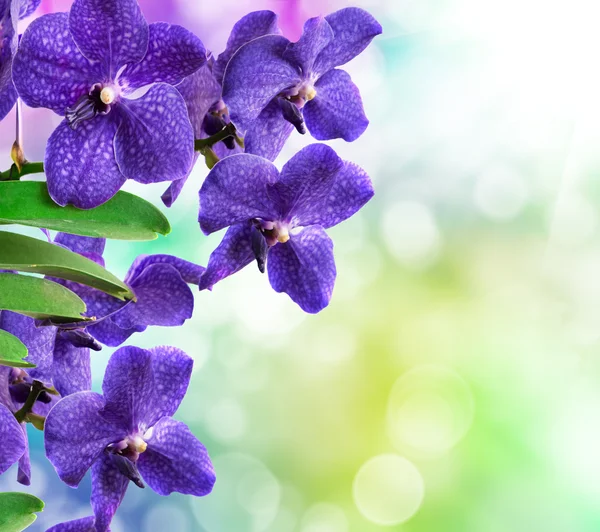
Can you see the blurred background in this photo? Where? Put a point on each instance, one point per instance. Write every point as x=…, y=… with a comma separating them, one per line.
x=453, y=384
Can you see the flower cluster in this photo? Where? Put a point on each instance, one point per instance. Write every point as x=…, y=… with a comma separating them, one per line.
x=143, y=101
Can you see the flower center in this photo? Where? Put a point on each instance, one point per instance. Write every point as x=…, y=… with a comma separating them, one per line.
x=291, y=102
x=98, y=100
x=265, y=234
x=124, y=454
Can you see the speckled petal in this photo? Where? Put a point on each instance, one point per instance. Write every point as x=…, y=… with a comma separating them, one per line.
x=189, y=271
x=232, y=254
x=255, y=74
x=108, y=489
x=337, y=110
x=8, y=46
x=248, y=28
x=24, y=469
x=304, y=268
x=38, y=340
x=353, y=29
x=306, y=179
x=176, y=461
x=85, y=524
x=8, y=97
x=200, y=91
x=48, y=68
x=81, y=244
x=155, y=141
x=27, y=7
x=12, y=438
x=110, y=334
x=236, y=190
x=141, y=386
x=112, y=32
x=317, y=34
x=80, y=163
x=76, y=434
x=71, y=368
x=163, y=298
x=268, y=133
x=173, y=54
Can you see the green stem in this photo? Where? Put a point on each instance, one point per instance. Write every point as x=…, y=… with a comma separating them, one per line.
x=36, y=389
x=12, y=174
x=227, y=131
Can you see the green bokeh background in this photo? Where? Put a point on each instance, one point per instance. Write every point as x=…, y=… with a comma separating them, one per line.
x=460, y=349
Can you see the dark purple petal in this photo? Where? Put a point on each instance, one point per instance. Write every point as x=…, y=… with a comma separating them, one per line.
x=200, y=91
x=176, y=461
x=81, y=244
x=39, y=342
x=170, y=195
x=248, y=28
x=317, y=34
x=109, y=333
x=27, y=7
x=24, y=469
x=304, y=268
x=80, y=163
x=141, y=386
x=255, y=74
x=85, y=524
x=71, y=368
x=155, y=141
x=306, y=179
x=163, y=298
x=337, y=109
x=108, y=489
x=189, y=271
x=48, y=69
x=353, y=29
x=111, y=32
x=236, y=190
x=173, y=53
x=5, y=395
x=8, y=93
x=76, y=434
x=268, y=133
x=12, y=438
x=232, y=254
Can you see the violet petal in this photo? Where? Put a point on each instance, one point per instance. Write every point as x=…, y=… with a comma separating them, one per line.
x=304, y=268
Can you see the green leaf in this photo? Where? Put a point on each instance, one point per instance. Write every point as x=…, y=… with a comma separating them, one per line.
x=13, y=351
x=17, y=511
x=26, y=254
x=124, y=217
x=39, y=298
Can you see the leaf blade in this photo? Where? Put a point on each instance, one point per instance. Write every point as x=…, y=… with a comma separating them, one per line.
x=26, y=254
x=13, y=351
x=124, y=217
x=39, y=298
x=17, y=511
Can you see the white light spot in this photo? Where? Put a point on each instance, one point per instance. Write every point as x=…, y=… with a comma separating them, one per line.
x=430, y=409
x=411, y=234
x=388, y=490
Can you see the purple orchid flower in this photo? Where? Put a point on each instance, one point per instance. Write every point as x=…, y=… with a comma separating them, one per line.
x=10, y=12
x=59, y=364
x=128, y=432
x=272, y=86
x=202, y=90
x=159, y=282
x=282, y=217
x=123, y=118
